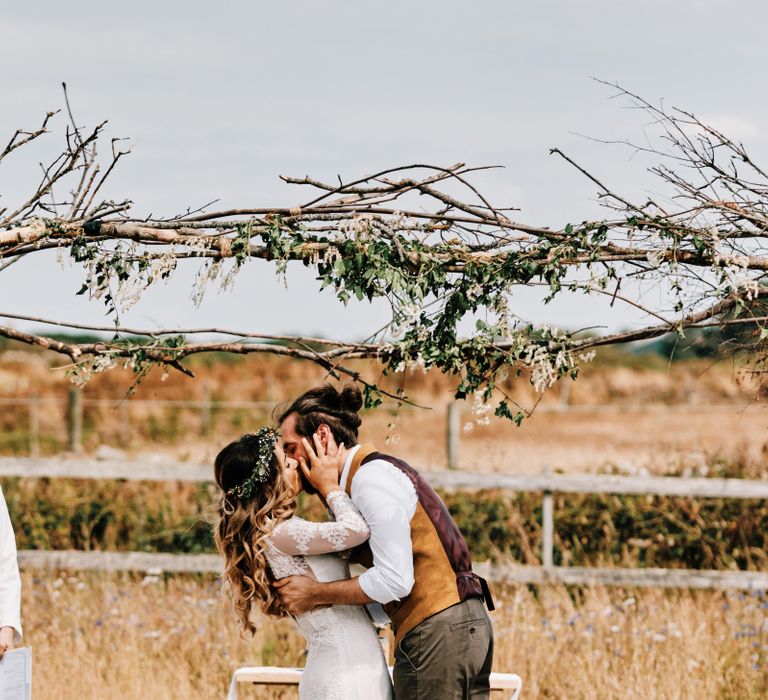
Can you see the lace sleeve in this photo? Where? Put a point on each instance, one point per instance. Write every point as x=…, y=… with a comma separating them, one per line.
x=297, y=536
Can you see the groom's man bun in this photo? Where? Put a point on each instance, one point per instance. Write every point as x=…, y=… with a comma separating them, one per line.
x=351, y=398
x=325, y=404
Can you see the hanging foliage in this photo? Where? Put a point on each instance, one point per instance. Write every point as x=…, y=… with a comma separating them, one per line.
x=426, y=240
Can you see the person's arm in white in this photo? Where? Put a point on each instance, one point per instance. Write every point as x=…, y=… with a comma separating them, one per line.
x=387, y=500
x=10, y=583
x=302, y=537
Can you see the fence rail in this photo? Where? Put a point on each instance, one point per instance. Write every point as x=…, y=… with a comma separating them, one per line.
x=162, y=470
x=133, y=470
x=156, y=563
x=547, y=484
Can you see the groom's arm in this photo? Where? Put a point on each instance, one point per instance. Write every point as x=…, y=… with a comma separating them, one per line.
x=301, y=594
x=387, y=501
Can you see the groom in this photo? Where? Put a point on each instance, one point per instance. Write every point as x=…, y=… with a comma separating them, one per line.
x=418, y=564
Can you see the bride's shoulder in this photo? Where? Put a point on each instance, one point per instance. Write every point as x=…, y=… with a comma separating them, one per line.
x=288, y=524
x=292, y=520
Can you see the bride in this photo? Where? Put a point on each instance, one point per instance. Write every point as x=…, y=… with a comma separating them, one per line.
x=262, y=540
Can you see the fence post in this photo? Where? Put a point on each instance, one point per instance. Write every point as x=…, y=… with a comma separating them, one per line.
x=547, y=524
x=207, y=411
x=125, y=423
x=270, y=389
x=34, y=427
x=452, y=434
x=75, y=420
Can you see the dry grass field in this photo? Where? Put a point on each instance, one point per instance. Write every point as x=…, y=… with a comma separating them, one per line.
x=118, y=636
x=105, y=635
x=647, y=417
x=582, y=439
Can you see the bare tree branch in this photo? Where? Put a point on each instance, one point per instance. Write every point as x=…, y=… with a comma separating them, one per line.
x=425, y=239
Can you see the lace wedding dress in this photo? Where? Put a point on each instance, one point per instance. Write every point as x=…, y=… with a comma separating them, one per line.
x=344, y=660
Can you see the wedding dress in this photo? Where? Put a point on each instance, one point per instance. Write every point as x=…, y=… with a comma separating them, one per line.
x=344, y=659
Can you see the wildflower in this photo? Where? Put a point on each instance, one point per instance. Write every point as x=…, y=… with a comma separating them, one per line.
x=330, y=255
x=655, y=257
x=418, y=363
x=481, y=409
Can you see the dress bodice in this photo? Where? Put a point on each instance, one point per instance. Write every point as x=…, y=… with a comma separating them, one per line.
x=299, y=547
x=344, y=657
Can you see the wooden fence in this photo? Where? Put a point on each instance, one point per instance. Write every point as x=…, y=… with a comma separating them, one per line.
x=548, y=484
x=75, y=404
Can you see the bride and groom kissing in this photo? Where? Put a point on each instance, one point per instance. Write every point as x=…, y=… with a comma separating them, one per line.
x=418, y=572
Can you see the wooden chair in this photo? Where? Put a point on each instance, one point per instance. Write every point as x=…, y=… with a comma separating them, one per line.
x=273, y=675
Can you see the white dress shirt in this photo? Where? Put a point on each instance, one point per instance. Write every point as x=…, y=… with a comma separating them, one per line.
x=387, y=500
x=10, y=581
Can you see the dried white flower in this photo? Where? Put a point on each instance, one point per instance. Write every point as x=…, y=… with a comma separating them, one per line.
x=481, y=410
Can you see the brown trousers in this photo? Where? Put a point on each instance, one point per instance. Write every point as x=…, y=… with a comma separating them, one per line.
x=447, y=657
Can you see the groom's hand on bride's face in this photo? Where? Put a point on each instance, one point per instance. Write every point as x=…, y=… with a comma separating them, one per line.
x=296, y=593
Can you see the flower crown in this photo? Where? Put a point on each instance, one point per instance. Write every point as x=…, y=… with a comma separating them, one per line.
x=262, y=470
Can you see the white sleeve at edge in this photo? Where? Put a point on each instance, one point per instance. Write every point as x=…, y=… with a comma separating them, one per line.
x=10, y=580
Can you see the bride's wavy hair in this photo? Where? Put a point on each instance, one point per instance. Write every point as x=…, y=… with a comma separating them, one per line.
x=243, y=525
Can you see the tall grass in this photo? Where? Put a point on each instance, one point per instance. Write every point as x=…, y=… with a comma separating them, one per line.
x=127, y=636
x=617, y=378
x=590, y=529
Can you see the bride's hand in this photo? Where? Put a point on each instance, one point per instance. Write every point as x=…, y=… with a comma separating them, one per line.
x=325, y=463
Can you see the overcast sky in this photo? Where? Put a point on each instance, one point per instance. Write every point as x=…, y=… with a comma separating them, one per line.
x=219, y=99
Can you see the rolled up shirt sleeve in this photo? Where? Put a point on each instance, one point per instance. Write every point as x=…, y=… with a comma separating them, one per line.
x=10, y=580
x=387, y=500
